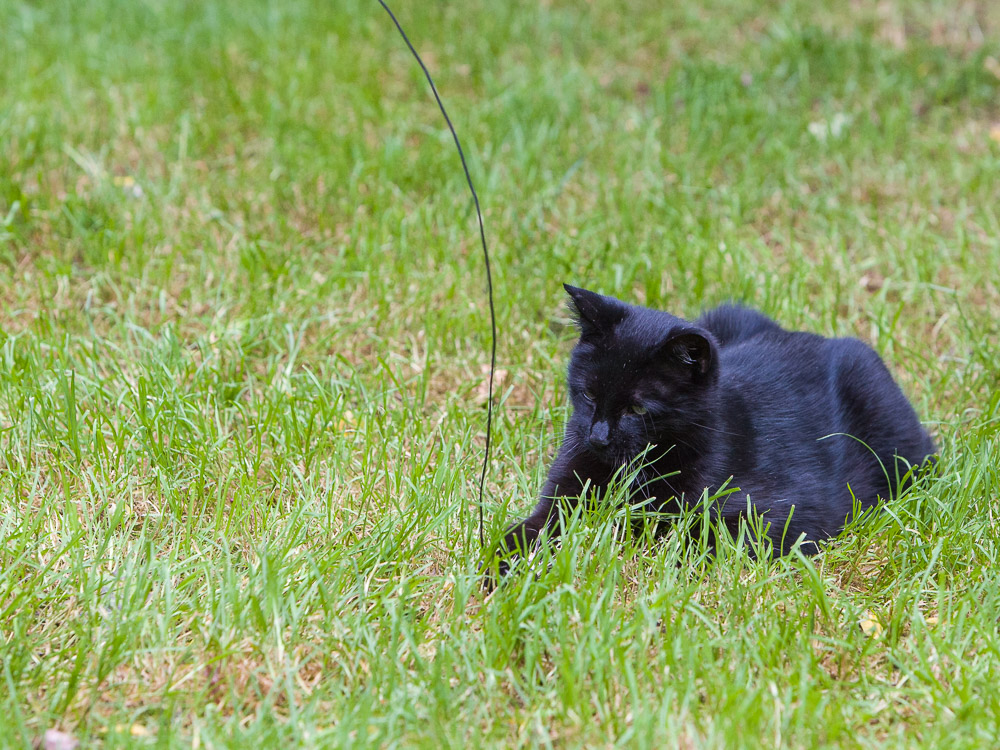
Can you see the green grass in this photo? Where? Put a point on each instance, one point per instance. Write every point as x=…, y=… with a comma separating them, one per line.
x=243, y=329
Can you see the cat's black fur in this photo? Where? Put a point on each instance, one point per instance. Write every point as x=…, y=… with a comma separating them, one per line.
x=729, y=395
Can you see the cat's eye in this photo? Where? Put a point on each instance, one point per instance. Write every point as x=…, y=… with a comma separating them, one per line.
x=588, y=394
x=638, y=409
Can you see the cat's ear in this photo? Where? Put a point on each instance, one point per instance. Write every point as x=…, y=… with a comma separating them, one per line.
x=693, y=349
x=595, y=314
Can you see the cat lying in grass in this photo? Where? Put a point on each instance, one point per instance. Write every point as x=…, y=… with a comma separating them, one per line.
x=808, y=427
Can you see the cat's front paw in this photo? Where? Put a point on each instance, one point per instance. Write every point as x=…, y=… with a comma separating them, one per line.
x=492, y=572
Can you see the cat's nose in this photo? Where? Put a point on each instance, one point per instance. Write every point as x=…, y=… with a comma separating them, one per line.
x=599, y=435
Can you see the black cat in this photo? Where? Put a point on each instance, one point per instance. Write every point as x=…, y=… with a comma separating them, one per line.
x=730, y=395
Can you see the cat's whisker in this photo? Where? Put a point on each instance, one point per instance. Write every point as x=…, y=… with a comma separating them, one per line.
x=686, y=444
x=644, y=487
x=717, y=429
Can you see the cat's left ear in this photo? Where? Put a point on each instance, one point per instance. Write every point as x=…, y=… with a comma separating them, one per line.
x=596, y=314
x=693, y=349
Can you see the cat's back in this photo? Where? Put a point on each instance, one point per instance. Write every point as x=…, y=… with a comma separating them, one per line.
x=778, y=369
x=755, y=347
x=838, y=369
x=732, y=323
x=800, y=387
x=800, y=371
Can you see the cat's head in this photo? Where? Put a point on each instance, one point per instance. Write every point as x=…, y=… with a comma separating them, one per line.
x=637, y=377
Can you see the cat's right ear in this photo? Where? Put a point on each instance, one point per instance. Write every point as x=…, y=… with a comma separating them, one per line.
x=596, y=314
x=694, y=350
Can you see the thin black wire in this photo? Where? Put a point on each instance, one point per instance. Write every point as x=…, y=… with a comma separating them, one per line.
x=486, y=257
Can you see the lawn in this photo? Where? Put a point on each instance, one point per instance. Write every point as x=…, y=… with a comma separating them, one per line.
x=244, y=347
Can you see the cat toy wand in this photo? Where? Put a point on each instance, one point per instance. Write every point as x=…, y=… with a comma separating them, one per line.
x=486, y=258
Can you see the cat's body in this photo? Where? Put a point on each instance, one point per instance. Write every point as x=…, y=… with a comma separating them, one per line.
x=804, y=425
